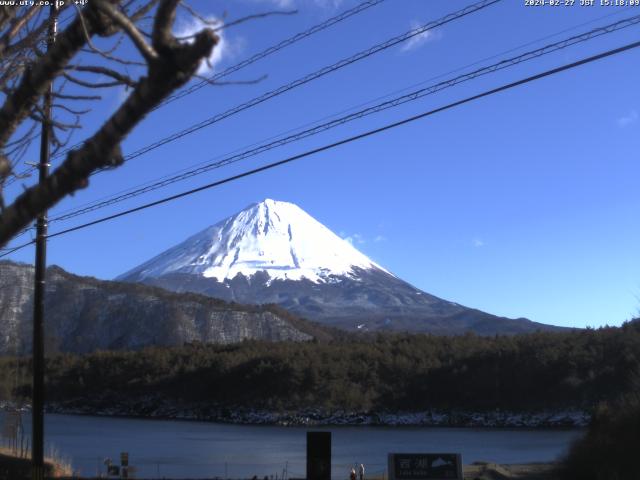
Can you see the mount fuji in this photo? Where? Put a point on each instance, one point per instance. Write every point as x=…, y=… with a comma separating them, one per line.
x=274, y=252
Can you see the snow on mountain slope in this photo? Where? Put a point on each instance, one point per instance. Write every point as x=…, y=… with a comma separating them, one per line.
x=275, y=253
x=276, y=237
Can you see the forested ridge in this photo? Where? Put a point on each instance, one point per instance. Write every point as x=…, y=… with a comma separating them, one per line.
x=377, y=372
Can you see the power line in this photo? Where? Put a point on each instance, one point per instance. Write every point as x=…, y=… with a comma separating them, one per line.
x=9, y=251
x=322, y=26
x=315, y=75
x=275, y=48
x=395, y=102
x=354, y=138
x=238, y=66
x=504, y=52
x=477, y=62
x=312, y=76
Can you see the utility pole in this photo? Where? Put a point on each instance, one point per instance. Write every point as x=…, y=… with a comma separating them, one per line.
x=37, y=410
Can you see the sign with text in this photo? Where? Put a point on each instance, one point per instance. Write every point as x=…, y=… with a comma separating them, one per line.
x=425, y=466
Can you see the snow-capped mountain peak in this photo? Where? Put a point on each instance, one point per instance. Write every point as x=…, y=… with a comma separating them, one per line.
x=276, y=237
x=275, y=245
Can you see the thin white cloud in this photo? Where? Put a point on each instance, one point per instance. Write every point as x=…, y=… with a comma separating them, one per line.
x=478, y=242
x=421, y=39
x=328, y=3
x=354, y=238
x=282, y=3
x=332, y=4
x=359, y=239
x=628, y=119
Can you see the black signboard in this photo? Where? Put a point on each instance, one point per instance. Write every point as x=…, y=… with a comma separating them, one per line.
x=318, y=455
x=425, y=466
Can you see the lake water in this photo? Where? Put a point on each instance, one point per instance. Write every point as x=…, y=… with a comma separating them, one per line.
x=186, y=449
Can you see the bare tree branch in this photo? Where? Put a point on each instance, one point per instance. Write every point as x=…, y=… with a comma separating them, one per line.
x=142, y=11
x=16, y=26
x=108, y=72
x=63, y=96
x=87, y=84
x=175, y=65
x=5, y=168
x=147, y=52
x=161, y=36
x=87, y=35
x=194, y=13
x=70, y=110
x=26, y=71
x=26, y=136
x=6, y=14
x=33, y=84
x=108, y=56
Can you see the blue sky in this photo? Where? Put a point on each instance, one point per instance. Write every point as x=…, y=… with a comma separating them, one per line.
x=523, y=204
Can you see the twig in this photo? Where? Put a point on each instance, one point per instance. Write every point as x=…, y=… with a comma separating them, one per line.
x=176, y=63
x=63, y=96
x=108, y=72
x=194, y=13
x=70, y=110
x=138, y=40
x=86, y=84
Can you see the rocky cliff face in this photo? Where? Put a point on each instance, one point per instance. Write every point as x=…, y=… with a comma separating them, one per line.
x=84, y=314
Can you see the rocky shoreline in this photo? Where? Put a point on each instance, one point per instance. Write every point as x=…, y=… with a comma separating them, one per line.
x=162, y=409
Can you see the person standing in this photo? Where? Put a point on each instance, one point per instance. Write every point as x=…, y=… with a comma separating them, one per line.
x=352, y=475
x=361, y=472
